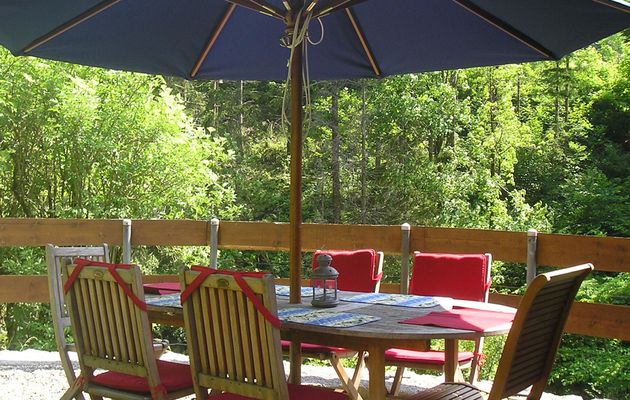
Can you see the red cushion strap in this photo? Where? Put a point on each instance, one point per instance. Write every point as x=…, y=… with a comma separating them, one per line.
x=377, y=277
x=481, y=357
x=204, y=272
x=79, y=382
x=158, y=390
x=81, y=263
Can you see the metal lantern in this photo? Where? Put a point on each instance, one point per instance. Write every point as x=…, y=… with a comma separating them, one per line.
x=324, y=283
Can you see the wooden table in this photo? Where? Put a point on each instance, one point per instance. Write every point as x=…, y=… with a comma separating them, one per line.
x=375, y=337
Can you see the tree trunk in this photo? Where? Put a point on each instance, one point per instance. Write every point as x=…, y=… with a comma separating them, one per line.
x=557, y=100
x=492, y=96
x=363, y=154
x=336, y=182
x=241, y=127
x=567, y=90
x=215, y=106
x=19, y=179
x=518, y=95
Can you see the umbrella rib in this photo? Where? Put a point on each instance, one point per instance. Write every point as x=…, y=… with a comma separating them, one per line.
x=364, y=43
x=510, y=30
x=259, y=6
x=617, y=5
x=336, y=5
x=70, y=24
x=215, y=34
x=310, y=7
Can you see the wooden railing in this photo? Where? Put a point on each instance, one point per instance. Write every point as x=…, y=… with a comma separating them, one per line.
x=607, y=254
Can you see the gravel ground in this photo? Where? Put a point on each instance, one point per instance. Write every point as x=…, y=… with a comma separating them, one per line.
x=37, y=375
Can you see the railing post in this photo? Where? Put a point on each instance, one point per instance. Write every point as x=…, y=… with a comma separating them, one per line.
x=405, y=232
x=532, y=243
x=126, y=241
x=214, y=242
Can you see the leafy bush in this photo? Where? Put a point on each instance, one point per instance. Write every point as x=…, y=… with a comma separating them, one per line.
x=592, y=368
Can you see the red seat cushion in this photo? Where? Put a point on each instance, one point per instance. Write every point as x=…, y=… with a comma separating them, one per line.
x=296, y=392
x=308, y=348
x=356, y=268
x=426, y=357
x=461, y=276
x=161, y=288
x=174, y=377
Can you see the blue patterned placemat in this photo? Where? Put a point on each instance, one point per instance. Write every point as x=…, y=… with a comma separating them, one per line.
x=283, y=290
x=165, y=300
x=402, y=300
x=328, y=317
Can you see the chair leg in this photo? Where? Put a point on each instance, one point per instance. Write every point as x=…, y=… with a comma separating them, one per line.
x=68, y=369
x=475, y=365
x=358, y=371
x=75, y=391
x=346, y=382
x=397, y=381
x=474, y=373
x=535, y=393
x=71, y=393
x=79, y=396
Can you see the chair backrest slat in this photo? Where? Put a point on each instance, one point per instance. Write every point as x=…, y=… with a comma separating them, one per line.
x=238, y=363
x=233, y=347
x=533, y=341
x=247, y=349
x=256, y=341
x=118, y=322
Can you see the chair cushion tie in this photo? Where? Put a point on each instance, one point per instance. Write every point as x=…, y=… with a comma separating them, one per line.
x=204, y=272
x=158, y=391
x=82, y=263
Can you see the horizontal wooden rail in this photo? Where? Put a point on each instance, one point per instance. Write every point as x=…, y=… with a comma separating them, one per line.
x=606, y=253
x=63, y=232
x=601, y=320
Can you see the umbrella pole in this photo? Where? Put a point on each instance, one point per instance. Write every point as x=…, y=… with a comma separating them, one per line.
x=295, y=199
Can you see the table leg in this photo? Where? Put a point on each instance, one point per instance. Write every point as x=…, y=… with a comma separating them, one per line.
x=295, y=360
x=452, y=372
x=376, y=367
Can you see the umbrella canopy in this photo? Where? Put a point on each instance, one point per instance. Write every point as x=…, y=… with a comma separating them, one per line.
x=240, y=39
x=218, y=39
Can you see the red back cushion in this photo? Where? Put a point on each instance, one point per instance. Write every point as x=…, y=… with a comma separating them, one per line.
x=461, y=276
x=356, y=268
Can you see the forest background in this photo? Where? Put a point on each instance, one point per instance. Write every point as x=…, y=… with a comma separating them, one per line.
x=542, y=145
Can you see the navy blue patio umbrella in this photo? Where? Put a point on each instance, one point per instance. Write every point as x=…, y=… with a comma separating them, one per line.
x=265, y=40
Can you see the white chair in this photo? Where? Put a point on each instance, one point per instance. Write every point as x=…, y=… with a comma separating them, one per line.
x=56, y=257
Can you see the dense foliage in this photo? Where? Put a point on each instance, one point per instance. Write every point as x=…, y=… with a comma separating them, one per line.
x=541, y=145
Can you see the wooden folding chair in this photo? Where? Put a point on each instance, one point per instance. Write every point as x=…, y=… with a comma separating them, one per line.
x=56, y=257
x=234, y=339
x=533, y=341
x=460, y=276
x=359, y=271
x=112, y=332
